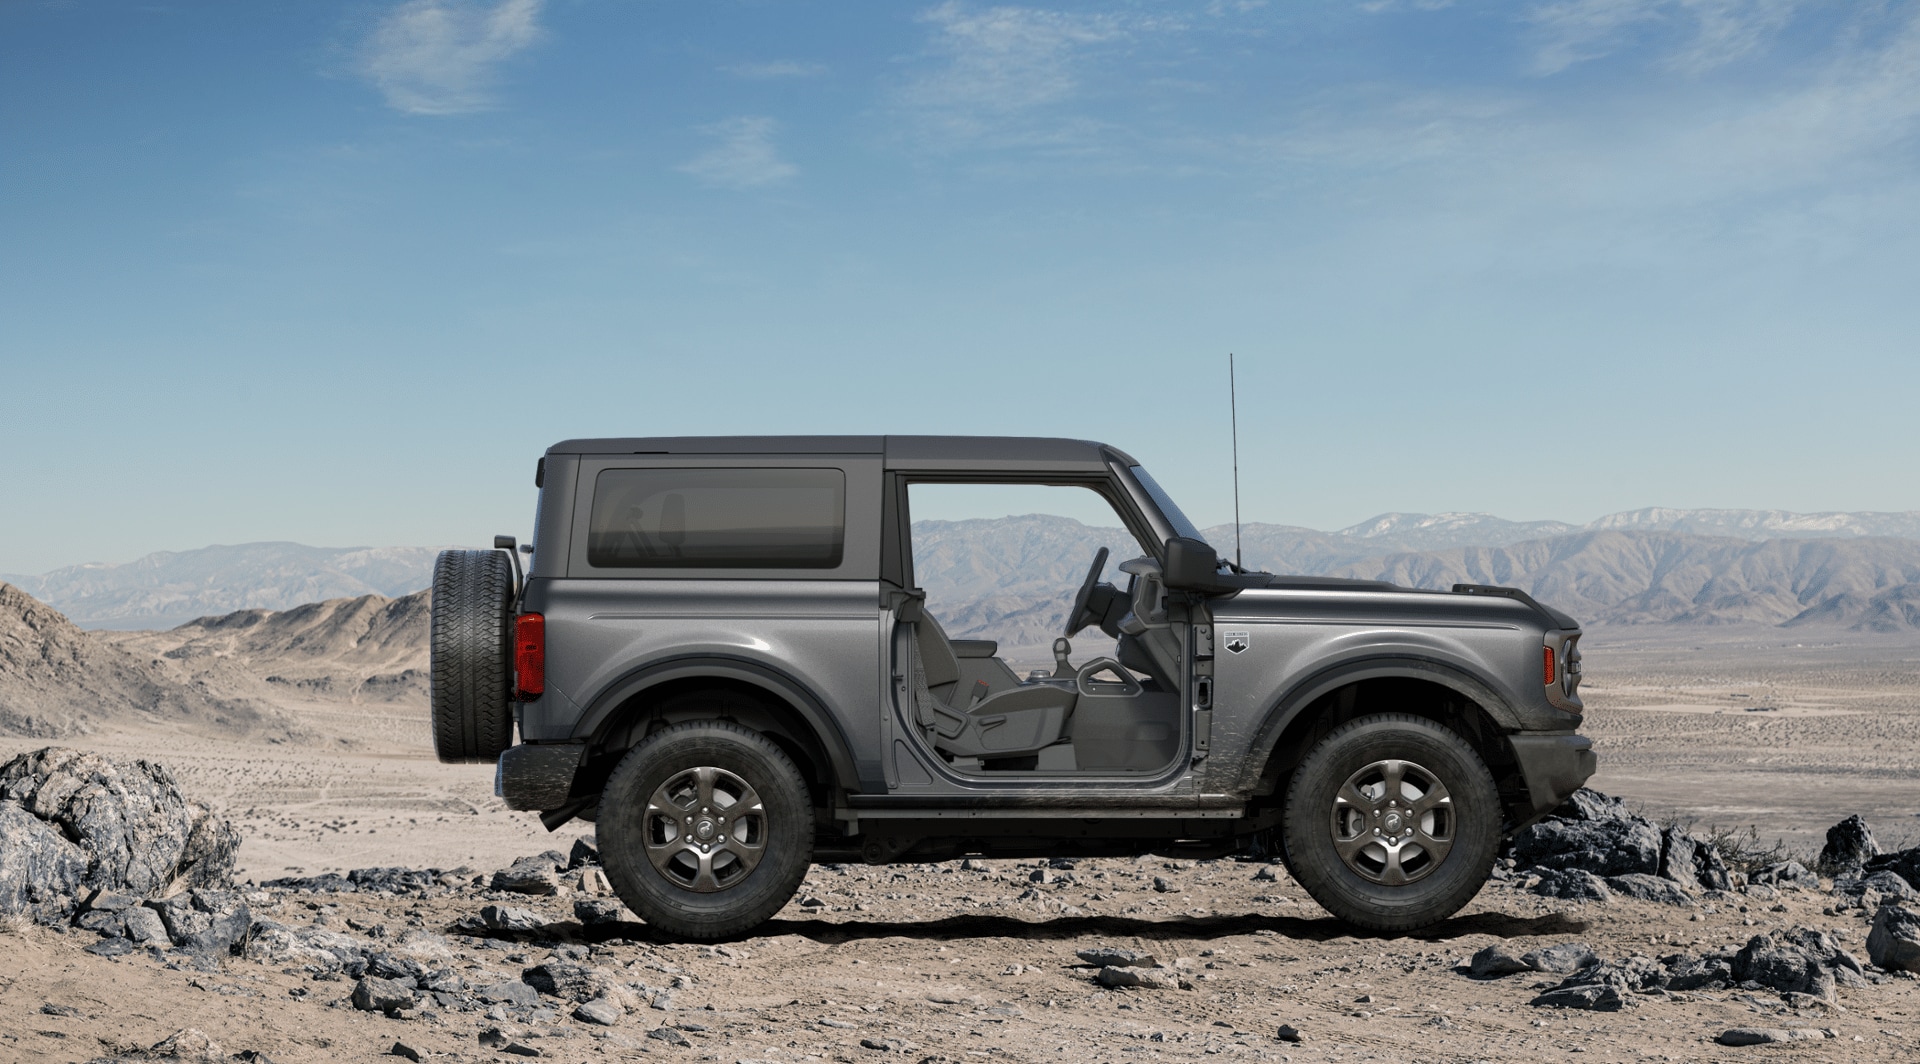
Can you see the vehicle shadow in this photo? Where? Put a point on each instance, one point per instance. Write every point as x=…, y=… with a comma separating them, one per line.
x=957, y=928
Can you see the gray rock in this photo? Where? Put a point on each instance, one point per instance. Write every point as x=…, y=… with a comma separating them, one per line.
x=670, y=1036
x=1290, y=1033
x=111, y=947
x=1573, y=885
x=111, y=901
x=1593, y=833
x=597, y=912
x=1692, y=863
x=1783, y=968
x=1711, y=972
x=1494, y=962
x=187, y=1044
x=1883, y=884
x=1600, y=988
x=1759, y=1036
x=138, y=833
x=1143, y=978
x=1894, y=942
x=508, y=918
x=374, y=994
x=572, y=982
x=145, y=927
x=103, y=923
x=1849, y=846
x=1266, y=874
x=401, y=1049
x=509, y=992
x=1782, y=873
x=1650, y=888
x=531, y=875
x=1162, y=886
x=40, y=871
x=1113, y=956
x=1903, y=863
x=599, y=1011
x=582, y=854
x=1563, y=959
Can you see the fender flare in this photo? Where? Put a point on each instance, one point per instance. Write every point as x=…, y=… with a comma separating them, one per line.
x=1287, y=708
x=824, y=725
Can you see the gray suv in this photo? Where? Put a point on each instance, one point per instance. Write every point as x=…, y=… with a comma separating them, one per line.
x=721, y=654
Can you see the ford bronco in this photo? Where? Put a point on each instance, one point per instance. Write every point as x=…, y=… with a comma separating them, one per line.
x=722, y=654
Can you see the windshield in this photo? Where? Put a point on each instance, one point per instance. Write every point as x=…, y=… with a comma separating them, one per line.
x=1168, y=509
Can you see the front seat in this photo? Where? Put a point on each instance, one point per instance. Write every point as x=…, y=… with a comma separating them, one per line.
x=984, y=717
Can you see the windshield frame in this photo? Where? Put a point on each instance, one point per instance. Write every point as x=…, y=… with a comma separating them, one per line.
x=1154, y=498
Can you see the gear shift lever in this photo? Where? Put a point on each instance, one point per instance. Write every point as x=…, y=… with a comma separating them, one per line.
x=1062, y=668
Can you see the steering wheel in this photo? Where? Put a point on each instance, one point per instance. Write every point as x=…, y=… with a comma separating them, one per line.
x=1077, y=617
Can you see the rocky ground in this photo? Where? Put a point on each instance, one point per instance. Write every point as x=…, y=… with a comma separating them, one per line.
x=982, y=961
x=990, y=960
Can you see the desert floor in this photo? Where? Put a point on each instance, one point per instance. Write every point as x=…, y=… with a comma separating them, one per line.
x=935, y=963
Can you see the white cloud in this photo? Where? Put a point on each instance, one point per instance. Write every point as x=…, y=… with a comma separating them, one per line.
x=1570, y=32
x=437, y=57
x=775, y=70
x=744, y=156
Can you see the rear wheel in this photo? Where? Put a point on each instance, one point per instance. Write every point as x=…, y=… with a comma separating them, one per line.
x=1392, y=822
x=706, y=829
x=470, y=694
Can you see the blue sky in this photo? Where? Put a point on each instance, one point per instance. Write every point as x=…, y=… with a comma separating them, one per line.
x=338, y=273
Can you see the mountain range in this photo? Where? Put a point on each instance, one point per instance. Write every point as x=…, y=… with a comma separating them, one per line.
x=1642, y=566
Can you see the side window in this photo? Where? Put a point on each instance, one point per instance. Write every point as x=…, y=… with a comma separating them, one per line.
x=718, y=519
x=1003, y=561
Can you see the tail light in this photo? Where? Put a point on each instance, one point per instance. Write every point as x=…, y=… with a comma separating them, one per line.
x=1551, y=674
x=530, y=656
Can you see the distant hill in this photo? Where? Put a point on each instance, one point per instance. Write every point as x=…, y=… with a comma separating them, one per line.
x=363, y=649
x=56, y=680
x=172, y=587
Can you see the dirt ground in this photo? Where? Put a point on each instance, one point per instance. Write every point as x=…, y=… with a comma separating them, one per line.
x=934, y=962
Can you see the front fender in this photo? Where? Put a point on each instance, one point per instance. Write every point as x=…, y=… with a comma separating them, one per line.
x=1287, y=707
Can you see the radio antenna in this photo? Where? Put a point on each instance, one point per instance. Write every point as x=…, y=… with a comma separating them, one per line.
x=1233, y=414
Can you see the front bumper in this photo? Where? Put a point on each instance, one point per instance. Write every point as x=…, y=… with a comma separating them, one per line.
x=1554, y=766
x=537, y=775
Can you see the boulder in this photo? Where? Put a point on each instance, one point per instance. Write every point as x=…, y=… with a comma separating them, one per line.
x=582, y=854
x=1650, y=888
x=1903, y=863
x=1575, y=885
x=1894, y=942
x=1693, y=863
x=1143, y=978
x=529, y=875
x=573, y=982
x=1494, y=962
x=1563, y=959
x=599, y=1011
x=1783, y=968
x=40, y=871
x=1594, y=833
x=1600, y=988
x=596, y=912
x=1784, y=873
x=1882, y=885
x=1849, y=846
x=509, y=992
x=1687, y=972
x=1113, y=956
x=374, y=994
x=139, y=833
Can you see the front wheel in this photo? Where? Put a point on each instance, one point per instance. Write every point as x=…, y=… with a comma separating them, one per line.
x=1392, y=822
x=706, y=829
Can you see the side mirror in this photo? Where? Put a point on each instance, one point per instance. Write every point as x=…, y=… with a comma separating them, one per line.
x=1191, y=565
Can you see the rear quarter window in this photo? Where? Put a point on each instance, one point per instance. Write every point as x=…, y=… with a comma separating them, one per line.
x=718, y=519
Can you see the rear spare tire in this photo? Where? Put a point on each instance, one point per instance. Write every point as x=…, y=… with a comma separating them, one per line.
x=471, y=675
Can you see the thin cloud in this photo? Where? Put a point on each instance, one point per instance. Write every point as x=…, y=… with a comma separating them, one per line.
x=744, y=157
x=775, y=70
x=440, y=57
x=1571, y=32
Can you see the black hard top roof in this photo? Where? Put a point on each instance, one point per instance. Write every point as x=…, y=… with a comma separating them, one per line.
x=931, y=453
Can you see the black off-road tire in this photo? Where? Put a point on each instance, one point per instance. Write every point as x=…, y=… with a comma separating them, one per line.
x=624, y=827
x=1310, y=823
x=470, y=689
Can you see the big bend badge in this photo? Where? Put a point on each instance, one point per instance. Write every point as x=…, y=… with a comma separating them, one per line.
x=1237, y=642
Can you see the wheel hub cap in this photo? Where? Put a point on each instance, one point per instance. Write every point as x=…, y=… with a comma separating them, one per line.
x=706, y=829
x=1393, y=822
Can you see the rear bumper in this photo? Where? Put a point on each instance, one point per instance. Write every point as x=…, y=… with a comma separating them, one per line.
x=1554, y=766
x=537, y=775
